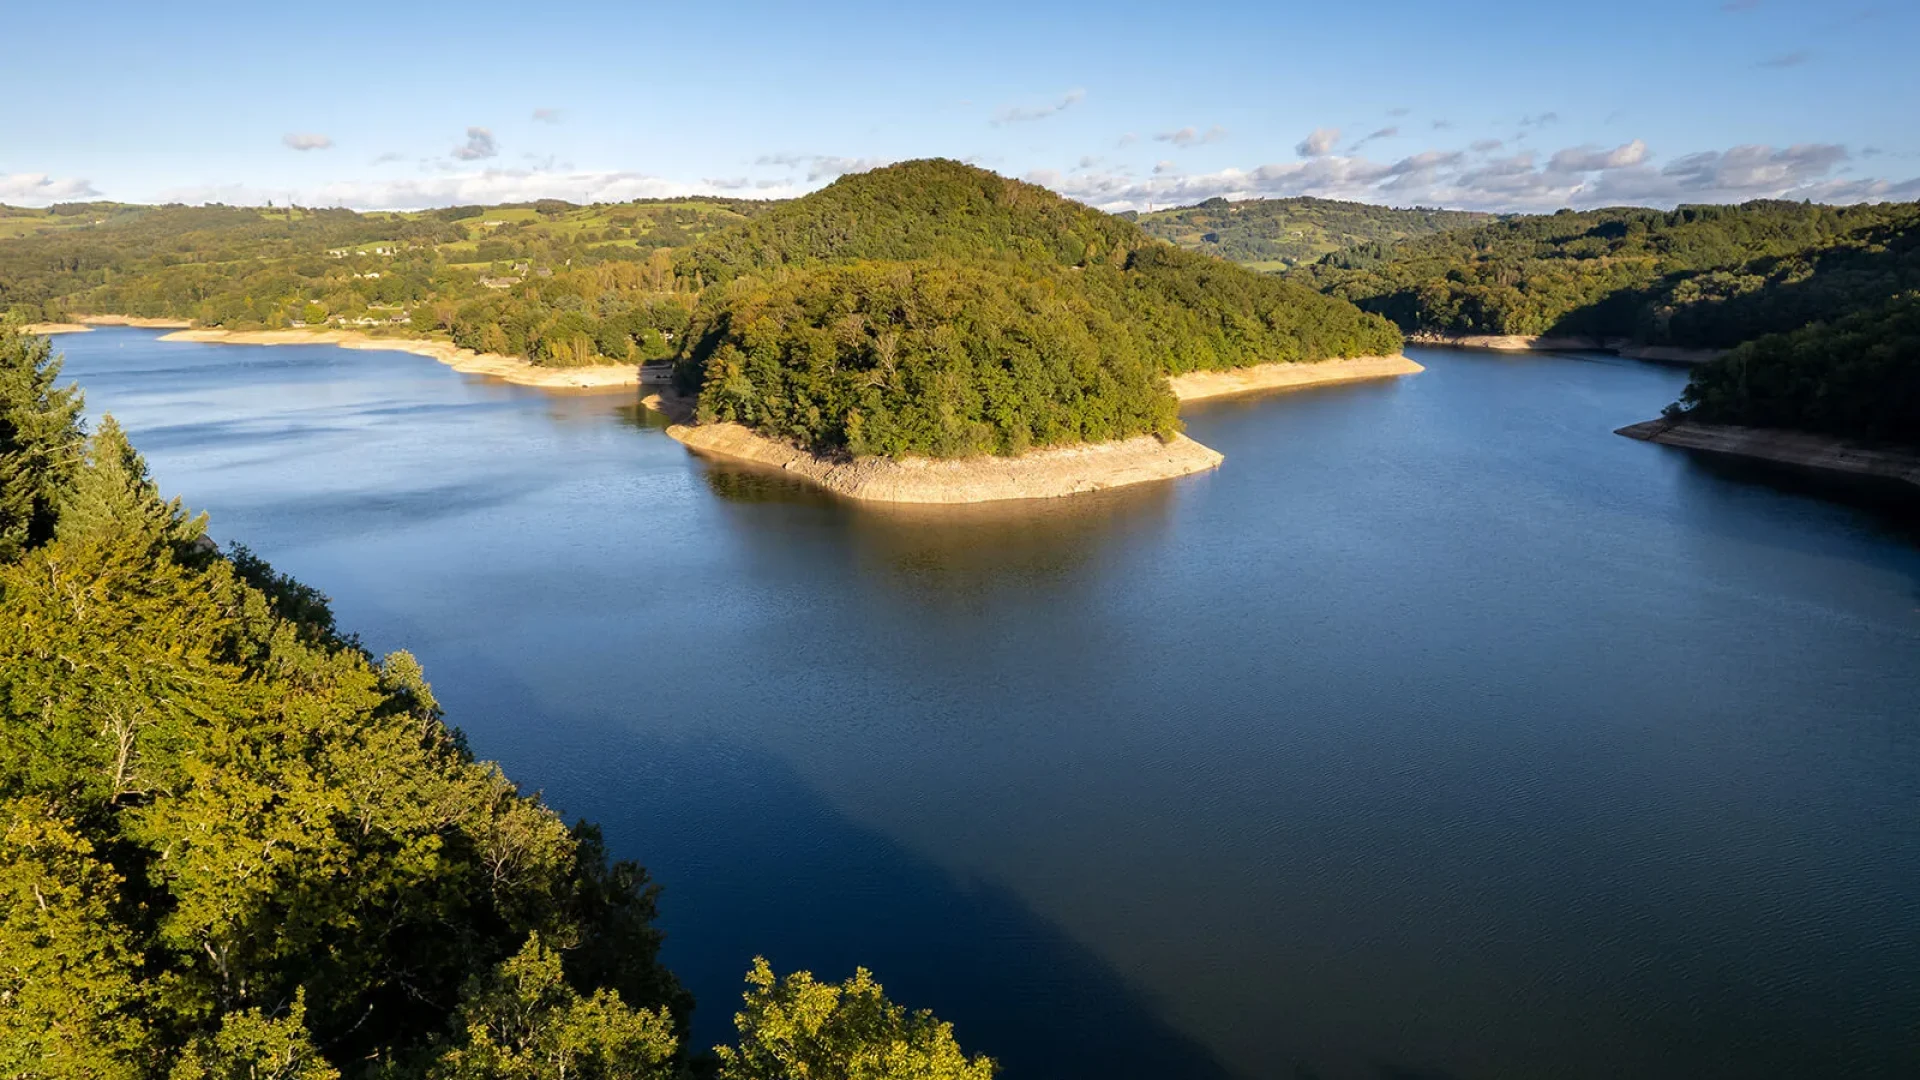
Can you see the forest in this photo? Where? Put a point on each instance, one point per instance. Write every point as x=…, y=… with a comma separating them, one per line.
x=1698, y=276
x=1856, y=377
x=936, y=309
x=239, y=846
x=1276, y=234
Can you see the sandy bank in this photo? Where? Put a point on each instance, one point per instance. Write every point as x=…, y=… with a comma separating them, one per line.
x=507, y=368
x=1039, y=474
x=1658, y=354
x=1200, y=385
x=135, y=321
x=47, y=329
x=1819, y=453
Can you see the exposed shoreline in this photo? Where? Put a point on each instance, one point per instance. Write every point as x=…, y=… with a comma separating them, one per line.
x=1815, y=453
x=1038, y=474
x=506, y=368
x=1656, y=354
x=1201, y=385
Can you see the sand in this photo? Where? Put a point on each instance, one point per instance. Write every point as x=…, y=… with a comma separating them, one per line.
x=1658, y=354
x=1820, y=453
x=1037, y=474
x=48, y=329
x=1200, y=385
x=506, y=368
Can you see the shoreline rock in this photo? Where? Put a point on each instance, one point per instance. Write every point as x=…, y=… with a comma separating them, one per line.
x=1815, y=453
x=1037, y=474
x=1656, y=354
x=48, y=329
x=136, y=321
x=506, y=368
x=1202, y=385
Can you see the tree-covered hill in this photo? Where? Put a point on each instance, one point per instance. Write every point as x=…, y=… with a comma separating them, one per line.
x=938, y=309
x=925, y=209
x=1856, y=377
x=1274, y=234
x=1701, y=276
x=236, y=846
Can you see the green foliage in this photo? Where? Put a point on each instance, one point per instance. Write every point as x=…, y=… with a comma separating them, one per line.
x=796, y=1027
x=931, y=209
x=39, y=441
x=948, y=360
x=935, y=309
x=251, y=1045
x=1704, y=276
x=228, y=809
x=524, y=1022
x=1278, y=233
x=1858, y=377
x=233, y=847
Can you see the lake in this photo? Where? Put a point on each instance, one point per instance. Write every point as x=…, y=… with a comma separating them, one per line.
x=1440, y=733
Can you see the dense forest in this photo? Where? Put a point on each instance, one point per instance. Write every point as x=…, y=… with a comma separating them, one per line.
x=556, y=283
x=936, y=309
x=1701, y=276
x=1858, y=376
x=237, y=846
x=1275, y=234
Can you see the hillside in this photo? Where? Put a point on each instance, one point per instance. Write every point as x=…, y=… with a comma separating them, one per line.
x=1275, y=234
x=1698, y=276
x=936, y=309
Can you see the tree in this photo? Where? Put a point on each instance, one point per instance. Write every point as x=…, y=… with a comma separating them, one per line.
x=523, y=1022
x=252, y=1045
x=40, y=440
x=796, y=1027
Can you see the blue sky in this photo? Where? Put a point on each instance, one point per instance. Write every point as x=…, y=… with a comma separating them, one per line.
x=1497, y=104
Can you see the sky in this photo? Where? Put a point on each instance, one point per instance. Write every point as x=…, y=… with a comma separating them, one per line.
x=1506, y=105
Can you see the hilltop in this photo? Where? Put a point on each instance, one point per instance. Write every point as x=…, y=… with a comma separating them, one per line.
x=1275, y=234
x=932, y=308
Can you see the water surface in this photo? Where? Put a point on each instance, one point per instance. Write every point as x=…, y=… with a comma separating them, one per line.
x=1440, y=733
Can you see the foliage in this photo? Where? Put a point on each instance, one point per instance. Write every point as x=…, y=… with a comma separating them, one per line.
x=1704, y=276
x=936, y=309
x=1279, y=233
x=797, y=1027
x=235, y=847
x=1858, y=376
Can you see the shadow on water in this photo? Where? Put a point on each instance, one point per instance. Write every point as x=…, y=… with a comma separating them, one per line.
x=754, y=862
x=938, y=551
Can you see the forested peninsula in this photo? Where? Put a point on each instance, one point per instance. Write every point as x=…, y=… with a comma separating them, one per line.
x=237, y=845
x=1807, y=312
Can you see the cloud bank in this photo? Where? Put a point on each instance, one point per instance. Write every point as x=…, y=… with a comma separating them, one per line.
x=39, y=189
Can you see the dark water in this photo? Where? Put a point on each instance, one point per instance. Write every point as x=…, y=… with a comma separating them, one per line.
x=1440, y=733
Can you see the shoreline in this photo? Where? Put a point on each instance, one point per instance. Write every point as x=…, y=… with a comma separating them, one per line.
x=1800, y=450
x=506, y=368
x=1038, y=474
x=1203, y=385
x=1653, y=354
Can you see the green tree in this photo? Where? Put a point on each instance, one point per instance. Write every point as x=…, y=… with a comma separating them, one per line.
x=252, y=1045
x=797, y=1027
x=40, y=441
x=523, y=1022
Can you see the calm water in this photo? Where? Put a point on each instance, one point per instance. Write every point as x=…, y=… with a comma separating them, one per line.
x=1441, y=733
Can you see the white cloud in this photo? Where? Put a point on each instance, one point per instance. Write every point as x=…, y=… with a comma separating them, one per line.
x=822, y=166
x=1582, y=159
x=1383, y=133
x=468, y=188
x=1319, y=144
x=306, y=141
x=1188, y=136
x=39, y=189
x=547, y=116
x=1581, y=177
x=1020, y=114
x=479, y=145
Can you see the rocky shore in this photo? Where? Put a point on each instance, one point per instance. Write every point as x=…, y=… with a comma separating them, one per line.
x=1658, y=354
x=1817, y=453
x=506, y=368
x=1200, y=385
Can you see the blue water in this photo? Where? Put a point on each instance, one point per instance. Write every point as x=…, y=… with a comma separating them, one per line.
x=1439, y=733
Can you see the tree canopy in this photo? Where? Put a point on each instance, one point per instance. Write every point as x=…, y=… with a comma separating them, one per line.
x=237, y=846
x=1273, y=234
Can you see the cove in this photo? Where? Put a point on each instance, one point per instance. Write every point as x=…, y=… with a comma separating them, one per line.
x=1439, y=733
